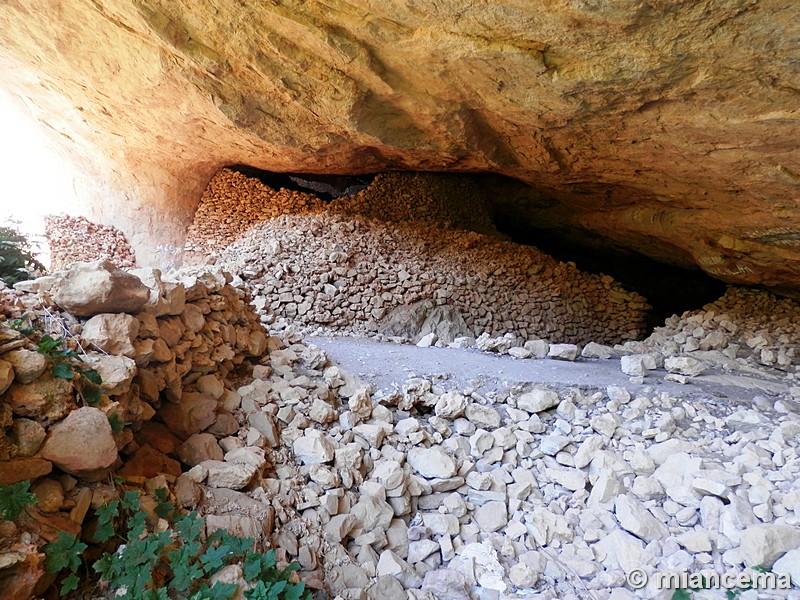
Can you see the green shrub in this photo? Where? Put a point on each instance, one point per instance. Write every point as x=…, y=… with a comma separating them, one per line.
x=17, y=260
x=172, y=564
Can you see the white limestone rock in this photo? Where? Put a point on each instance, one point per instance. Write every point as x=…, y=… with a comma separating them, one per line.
x=538, y=400
x=313, y=448
x=432, y=462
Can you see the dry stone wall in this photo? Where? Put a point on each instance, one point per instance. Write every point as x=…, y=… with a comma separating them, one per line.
x=354, y=274
x=167, y=351
x=412, y=253
x=76, y=239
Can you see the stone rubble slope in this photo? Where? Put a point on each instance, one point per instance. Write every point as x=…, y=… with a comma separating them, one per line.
x=233, y=202
x=747, y=332
x=424, y=492
x=76, y=239
x=362, y=276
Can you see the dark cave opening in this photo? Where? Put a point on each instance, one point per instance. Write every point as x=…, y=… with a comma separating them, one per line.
x=325, y=187
x=668, y=289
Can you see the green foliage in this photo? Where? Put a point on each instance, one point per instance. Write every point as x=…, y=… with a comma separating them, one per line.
x=14, y=498
x=171, y=564
x=68, y=364
x=17, y=260
x=116, y=423
x=681, y=594
x=64, y=553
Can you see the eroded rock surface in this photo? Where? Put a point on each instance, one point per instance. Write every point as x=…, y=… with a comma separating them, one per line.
x=669, y=128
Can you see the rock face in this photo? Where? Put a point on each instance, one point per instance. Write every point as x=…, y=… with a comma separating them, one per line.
x=670, y=129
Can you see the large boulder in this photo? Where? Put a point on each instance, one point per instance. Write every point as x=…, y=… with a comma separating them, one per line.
x=92, y=288
x=82, y=444
x=112, y=333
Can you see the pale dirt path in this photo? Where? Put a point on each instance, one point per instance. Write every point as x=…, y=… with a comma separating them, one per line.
x=388, y=365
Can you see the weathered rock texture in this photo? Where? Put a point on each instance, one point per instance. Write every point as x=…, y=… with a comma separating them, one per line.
x=667, y=127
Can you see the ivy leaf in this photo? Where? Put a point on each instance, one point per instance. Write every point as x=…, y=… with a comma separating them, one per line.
x=239, y=546
x=130, y=501
x=294, y=591
x=136, y=525
x=189, y=527
x=14, y=498
x=252, y=566
x=268, y=560
x=164, y=508
x=48, y=344
x=276, y=588
x=92, y=375
x=212, y=558
x=91, y=394
x=63, y=371
x=69, y=584
x=259, y=592
x=63, y=553
x=292, y=567
x=105, y=521
x=107, y=566
x=116, y=423
x=220, y=591
x=184, y=572
x=67, y=354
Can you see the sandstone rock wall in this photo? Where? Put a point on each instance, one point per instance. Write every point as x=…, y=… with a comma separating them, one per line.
x=666, y=127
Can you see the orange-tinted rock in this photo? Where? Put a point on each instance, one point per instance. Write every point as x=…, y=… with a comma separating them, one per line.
x=668, y=128
x=148, y=462
x=21, y=569
x=13, y=471
x=192, y=414
x=158, y=436
x=46, y=399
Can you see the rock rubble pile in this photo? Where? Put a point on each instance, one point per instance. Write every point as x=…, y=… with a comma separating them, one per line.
x=363, y=276
x=535, y=492
x=424, y=491
x=233, y=202
x=76, y=239
x=747, y=324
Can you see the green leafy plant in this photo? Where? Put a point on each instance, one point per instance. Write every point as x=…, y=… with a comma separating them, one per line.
x=14, y=498
x=17, y=259
x=68, y=364
x=174, y=563
x=64, y=553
